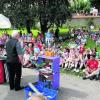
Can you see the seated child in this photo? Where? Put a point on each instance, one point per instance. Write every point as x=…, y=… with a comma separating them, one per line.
x=36, y=51
x=26, y=59
x=40, y=45
x=30, y=47
x=92, y=68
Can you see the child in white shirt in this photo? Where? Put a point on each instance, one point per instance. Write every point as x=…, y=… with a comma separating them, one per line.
x=26, y=59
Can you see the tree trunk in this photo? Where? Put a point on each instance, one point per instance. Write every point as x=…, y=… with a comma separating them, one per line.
x=43, y=25
x=28, y=26
x=43, y=28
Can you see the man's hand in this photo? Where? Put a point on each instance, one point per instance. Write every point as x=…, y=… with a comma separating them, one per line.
x=20, y=59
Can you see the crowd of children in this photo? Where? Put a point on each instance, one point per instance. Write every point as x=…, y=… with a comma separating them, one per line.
x=71, y=58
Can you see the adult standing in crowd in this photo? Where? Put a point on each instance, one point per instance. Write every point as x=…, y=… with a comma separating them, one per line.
x=14, y=61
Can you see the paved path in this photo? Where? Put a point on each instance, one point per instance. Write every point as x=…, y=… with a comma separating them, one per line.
x=72, y=88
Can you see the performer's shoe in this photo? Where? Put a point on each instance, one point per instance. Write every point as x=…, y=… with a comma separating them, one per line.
x=20, y=88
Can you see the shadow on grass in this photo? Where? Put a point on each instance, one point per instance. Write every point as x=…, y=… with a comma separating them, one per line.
x=71, y=72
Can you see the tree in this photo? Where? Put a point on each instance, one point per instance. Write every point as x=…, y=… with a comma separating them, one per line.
x=20, y=12
x=52, y=12
x=81, y=5
x=95, y=2
x=23, y=12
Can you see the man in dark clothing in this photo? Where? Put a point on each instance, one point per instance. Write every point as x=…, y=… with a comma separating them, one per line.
x=14, y=61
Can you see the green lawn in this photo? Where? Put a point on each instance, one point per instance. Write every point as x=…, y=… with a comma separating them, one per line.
x=64, y=31
x=10, y=31
x=71, y=72
x=92, y=44
x=35, y=31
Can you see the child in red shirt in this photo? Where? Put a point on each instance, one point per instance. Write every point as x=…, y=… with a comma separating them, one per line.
x=92, y=65
x=92, y=68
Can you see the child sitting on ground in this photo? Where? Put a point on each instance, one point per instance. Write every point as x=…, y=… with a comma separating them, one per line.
x=26, y=60
x=30, y=47
x=36, y=51
x=92, y=68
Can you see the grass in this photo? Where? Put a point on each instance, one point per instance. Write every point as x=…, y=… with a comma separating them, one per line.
x=92, y=44
x=71, y=72
x=63, y=31
x=10, y=31
x=35, y=31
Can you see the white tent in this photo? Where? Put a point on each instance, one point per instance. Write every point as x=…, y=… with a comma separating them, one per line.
x=4, y=22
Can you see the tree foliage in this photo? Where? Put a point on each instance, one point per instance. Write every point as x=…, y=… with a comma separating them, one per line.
x=52, y=12
x=81, y=5
x=95, y=2
x=23, y=12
